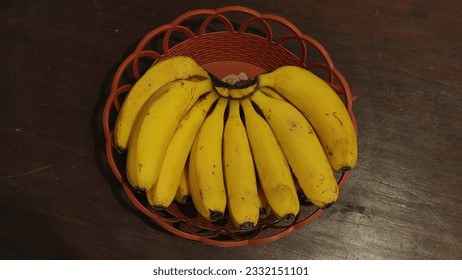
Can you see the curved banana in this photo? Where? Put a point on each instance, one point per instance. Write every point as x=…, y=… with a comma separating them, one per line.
x=272, y=168
x=240, y=178
x=183, y=194
x=206, y=180
x=302, y=149
x=164, y=190
x=159, y=74
x=323, y=108
x=155, y=125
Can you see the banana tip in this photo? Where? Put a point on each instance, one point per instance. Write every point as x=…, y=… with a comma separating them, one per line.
x=288, y=217
x=328, y=205
x=186, y=199
x=345, y=168
x=215, y=215
x=247, y=226
x=158, y=207
x=263, y=212
x=141, y=189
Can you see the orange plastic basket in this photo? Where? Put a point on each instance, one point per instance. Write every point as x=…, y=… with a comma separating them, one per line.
x=225, y=41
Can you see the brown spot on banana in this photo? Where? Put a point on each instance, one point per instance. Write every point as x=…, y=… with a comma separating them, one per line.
x=334, y=114
x=329, y=151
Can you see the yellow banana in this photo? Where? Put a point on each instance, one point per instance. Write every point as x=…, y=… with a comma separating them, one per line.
x=302, y=149
x=206, y=180
x=240, y=178
x=159, y=74
x=273, y=170
x=183, y=194
x=323, y=108
x=155, y=125
x=164, y=190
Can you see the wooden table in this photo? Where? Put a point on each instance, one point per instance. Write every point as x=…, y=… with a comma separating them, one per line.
x=58, y=200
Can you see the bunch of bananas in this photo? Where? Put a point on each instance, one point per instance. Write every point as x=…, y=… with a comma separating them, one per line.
x=246, y=148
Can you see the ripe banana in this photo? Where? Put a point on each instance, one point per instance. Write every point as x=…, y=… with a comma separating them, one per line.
x=183, y=194
x=323, y=108
x=164, y=190
x=206, y=180
x=272, y=168
x=159, y=74
x=154, y=126
x=302, y=149
x=240, y=178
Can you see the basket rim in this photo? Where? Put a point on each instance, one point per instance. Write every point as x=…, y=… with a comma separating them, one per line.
x=112, y=102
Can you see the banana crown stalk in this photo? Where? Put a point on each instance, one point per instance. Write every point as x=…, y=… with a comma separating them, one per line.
x=237, y=90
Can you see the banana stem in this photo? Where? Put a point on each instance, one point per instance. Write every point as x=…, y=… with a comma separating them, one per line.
x=239, y=90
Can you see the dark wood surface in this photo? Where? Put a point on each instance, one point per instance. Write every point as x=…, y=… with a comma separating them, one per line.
x=59, y=201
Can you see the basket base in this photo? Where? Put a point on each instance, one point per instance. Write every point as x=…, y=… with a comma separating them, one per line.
x=222, y=69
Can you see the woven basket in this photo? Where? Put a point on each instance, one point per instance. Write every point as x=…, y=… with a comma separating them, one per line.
x=225, y=41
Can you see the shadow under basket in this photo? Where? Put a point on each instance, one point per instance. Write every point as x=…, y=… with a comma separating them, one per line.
x=230, y=40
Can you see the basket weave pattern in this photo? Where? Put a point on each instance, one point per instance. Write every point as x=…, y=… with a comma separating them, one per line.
x=235, y=43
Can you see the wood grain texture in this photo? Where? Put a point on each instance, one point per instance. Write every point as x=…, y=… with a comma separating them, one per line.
x=403, y=201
